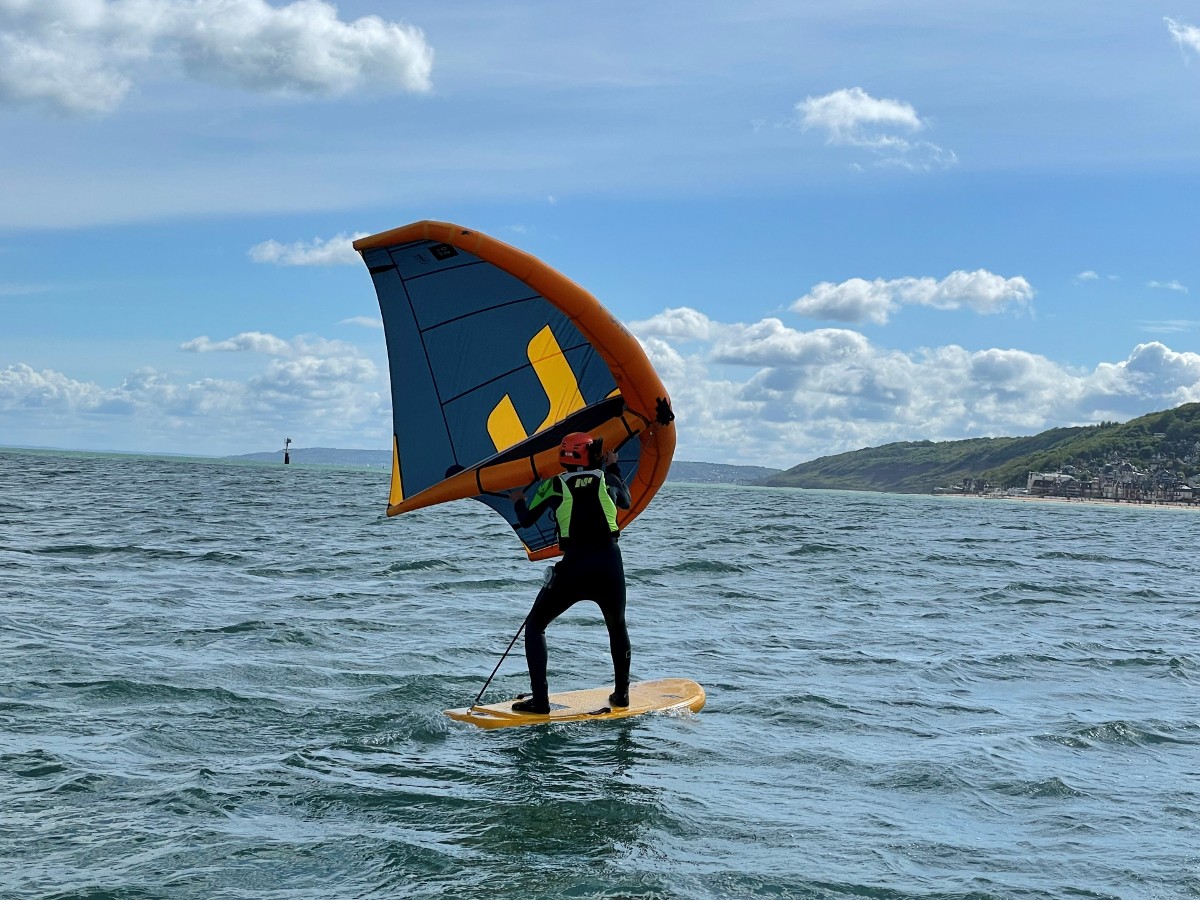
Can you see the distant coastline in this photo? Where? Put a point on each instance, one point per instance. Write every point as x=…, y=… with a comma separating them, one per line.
x=1077, y=501
x=681, y=470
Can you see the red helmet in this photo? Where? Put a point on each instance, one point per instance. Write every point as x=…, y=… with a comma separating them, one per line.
x=575, y=449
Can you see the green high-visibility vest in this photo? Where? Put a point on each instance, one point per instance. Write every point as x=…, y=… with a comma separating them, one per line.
x=585, y=511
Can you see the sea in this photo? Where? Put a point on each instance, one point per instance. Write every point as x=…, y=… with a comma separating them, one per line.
x=227, y=680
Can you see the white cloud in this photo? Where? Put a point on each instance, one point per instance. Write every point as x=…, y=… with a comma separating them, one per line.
x=83, y=56
x=1155, y=366
x=1186, y=36
x=980, y=291
x=248, y=341
x=771, y=343
x=364, y=321
x=855, y=300
x=763, y=393
x=859, y=301
x=1167, y=286
x=325, y=391
x=335, y=251
x=270, y=345
x=1090, y=276
x=23, y=388
x=682, y=323
x=851, y=117
x=757, y=393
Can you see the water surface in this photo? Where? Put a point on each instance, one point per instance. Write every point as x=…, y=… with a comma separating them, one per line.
x=226, y=680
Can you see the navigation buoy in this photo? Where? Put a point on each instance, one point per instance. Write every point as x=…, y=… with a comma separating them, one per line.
x=287, y=457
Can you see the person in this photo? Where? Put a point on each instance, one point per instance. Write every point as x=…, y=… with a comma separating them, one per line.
x=584, y=501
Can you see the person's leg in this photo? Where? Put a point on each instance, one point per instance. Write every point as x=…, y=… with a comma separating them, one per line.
x=552, y=601
x=612, y=604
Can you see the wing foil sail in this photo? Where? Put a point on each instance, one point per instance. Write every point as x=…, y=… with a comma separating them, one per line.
x=494, y=356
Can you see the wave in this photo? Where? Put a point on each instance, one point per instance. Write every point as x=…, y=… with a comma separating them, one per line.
x=1122, y=733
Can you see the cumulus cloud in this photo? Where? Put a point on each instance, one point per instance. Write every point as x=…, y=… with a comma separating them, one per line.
x=853, y=118
x=1172, y=285
x=860, y=301
x=764, y=393
x=1186, y=36
x=856, y=300
x=325, y=390
x=682, y=323
x=83, y=56
x=1156, y=367
x=249, y=341
x=771, y=343
x=335, y=251
x=270, y=345
x=23, y=387
x=758, y=393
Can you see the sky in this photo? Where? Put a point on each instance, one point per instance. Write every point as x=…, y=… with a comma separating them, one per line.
x=832, y=225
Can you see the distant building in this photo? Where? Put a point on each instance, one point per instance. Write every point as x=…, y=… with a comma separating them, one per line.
x=1119, y=480
x=1058, y=484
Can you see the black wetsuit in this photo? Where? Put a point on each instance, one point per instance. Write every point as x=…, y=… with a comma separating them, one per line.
x=591, y=567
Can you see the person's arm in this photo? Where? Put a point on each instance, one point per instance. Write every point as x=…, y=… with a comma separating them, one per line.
x=617, y=489
x=546, y=498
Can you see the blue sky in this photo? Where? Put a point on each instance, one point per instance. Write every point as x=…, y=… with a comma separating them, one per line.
x=831, y=224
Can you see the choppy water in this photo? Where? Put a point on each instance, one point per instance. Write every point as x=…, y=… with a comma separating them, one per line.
x=227, y=680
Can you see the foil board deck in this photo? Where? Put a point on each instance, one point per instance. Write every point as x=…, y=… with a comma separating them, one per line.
x=665, y=694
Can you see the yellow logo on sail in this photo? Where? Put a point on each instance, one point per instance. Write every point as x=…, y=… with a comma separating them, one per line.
x=558, y=381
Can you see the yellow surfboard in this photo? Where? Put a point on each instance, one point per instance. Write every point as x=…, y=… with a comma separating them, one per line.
x=662, y=695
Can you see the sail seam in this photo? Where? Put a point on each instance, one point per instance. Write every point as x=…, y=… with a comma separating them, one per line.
x=503, y=375
x=482, y=309
x=428, y=362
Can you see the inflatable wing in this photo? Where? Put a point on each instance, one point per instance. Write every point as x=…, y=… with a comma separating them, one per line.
x=494, y=357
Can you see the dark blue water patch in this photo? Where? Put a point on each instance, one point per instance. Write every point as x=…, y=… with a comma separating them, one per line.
x=814, y=549
x=919, y=777
x=942, y=706
x=1033, y=593
x=1146, y=594
x=119, y=691
x=88, y=783
x=118, y=553
x=956, y=560
x=858, y=659
x=416, y=565
x=1076, y=556
x=705, y=567
x=239, y=628
x=219, y=557
x=301, y=572
x=469, y=586
x=1122, y=734
x=1183, y=666
x=36, y=763
x=281, y=633
x=1051, y=788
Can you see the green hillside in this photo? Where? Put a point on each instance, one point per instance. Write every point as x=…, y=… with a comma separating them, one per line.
x=1167, y=440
